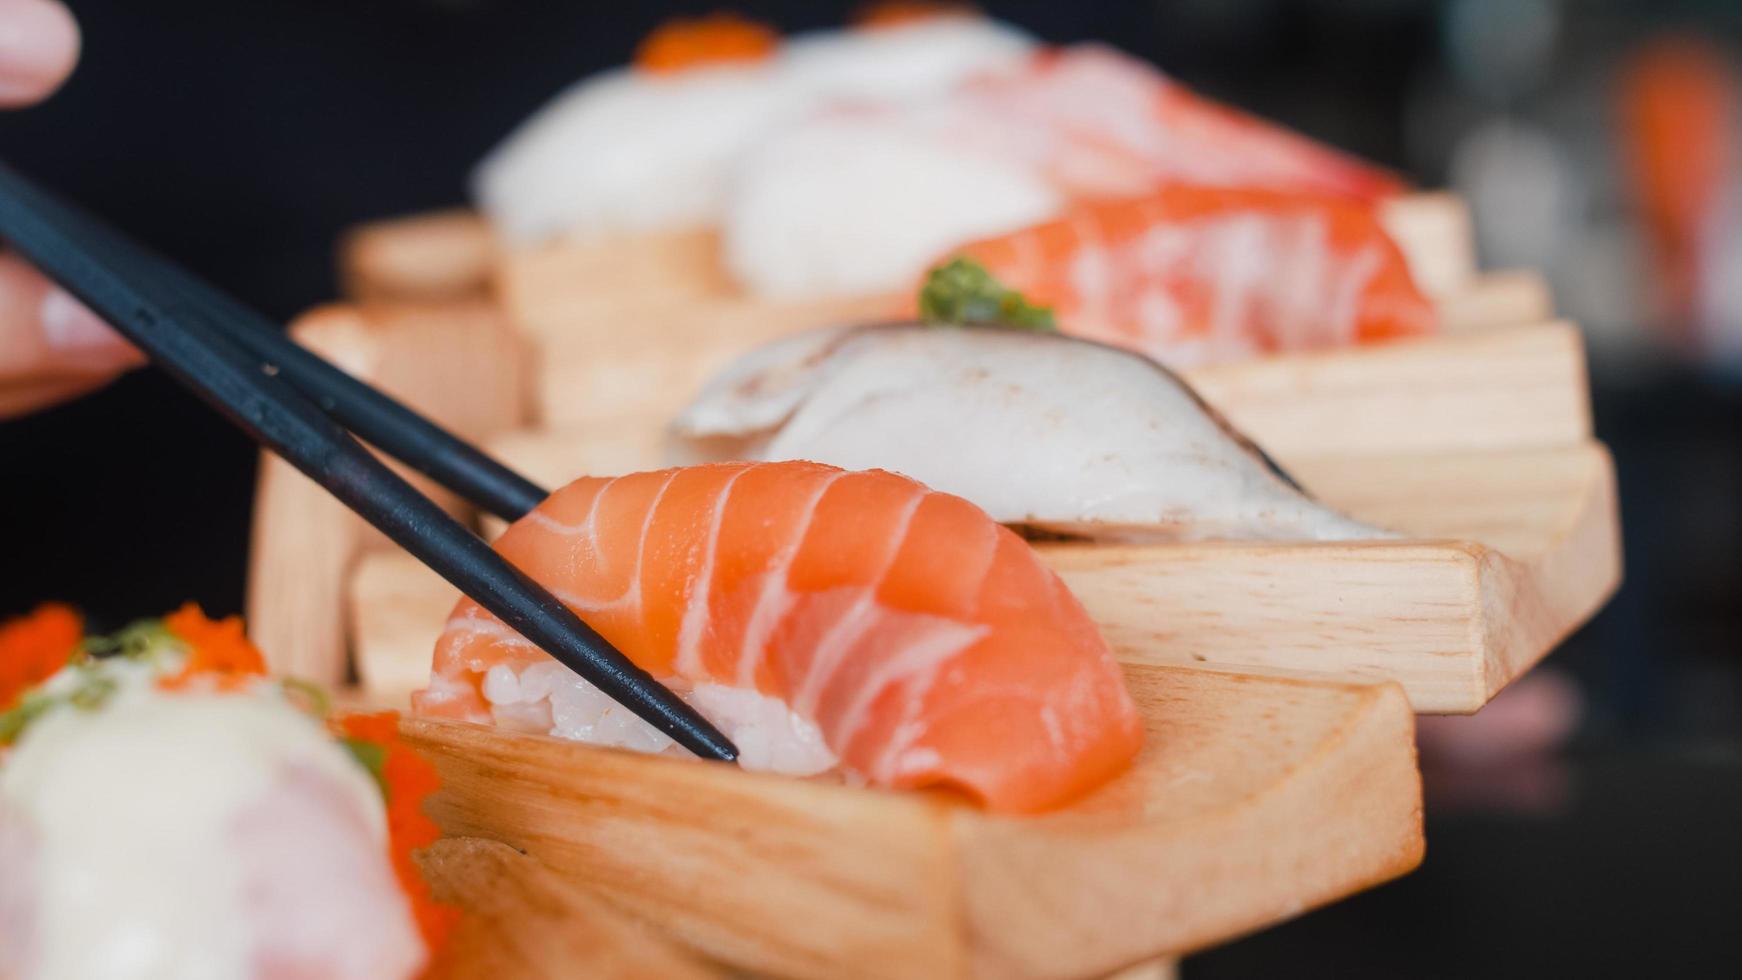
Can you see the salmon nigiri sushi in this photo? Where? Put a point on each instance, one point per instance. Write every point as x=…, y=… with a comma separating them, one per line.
x=1192, y=274
x=823, y=618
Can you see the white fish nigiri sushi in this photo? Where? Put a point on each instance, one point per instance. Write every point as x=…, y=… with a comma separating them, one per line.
x=157, y=823
x=1041, y=430
x=650, y=146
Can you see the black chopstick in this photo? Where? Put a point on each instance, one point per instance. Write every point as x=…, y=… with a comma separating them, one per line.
x=390, y=425
x=380, y=420
x=172, y=324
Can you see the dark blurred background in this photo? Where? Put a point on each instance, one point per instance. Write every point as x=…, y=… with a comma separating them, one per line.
x=241, y=138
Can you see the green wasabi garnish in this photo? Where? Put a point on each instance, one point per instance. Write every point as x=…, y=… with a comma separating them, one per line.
x=90, y=689
x=962, y=291
x=311, y=698
x=142, y=639
x=14, y=721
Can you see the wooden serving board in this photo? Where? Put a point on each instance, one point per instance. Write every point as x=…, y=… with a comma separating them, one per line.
x=1253, y=800
x=520, y=919
x=1507, y=553
x=442, y=255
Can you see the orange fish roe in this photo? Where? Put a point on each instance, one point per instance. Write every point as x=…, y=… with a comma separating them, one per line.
x=217, y=649
x=407, y=780
x=716, y=39
x=894, y=13
x=34, y=646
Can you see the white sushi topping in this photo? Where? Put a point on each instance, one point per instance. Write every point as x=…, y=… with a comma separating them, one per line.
x=192, y=836
x=858, y=203
x=902, y=62
x=1037, y=429
x=859, y=200
x=629, y=151
x=548, y=698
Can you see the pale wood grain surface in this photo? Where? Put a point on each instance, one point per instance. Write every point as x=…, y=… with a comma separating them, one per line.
x=1511, y=297
x=1509, y=552
x=443, y=254
x=461, y=365
x=522, y=920
x=1253, y=800
x=1437, y=237
x=1506, y=388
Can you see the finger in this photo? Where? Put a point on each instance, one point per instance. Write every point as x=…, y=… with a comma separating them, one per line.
x=46, y=334
x=22, y=399
x=39, y=44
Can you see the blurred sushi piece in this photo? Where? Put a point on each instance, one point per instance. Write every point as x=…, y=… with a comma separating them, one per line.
x=168, y=811
x=842, y=162
x=860, y=198
x=650, y=146
x=1193, y=274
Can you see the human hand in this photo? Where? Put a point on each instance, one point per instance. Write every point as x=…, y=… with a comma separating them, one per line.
x=51, y=347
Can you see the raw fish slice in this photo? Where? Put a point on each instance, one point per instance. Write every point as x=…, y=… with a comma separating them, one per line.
x=1095, y=95
x=924, y=644
x=1192, y=274
x=1040, y=430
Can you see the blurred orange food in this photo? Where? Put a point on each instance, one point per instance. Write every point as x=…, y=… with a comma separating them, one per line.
x=893, y=13
x=1677, y=108
x=715, y=39
x=34, y=646
x=217, y=649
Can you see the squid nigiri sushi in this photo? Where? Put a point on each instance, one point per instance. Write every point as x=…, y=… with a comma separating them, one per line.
x=1195, y=274
x=164, y=812
x=1043, y=431
x=823, y=619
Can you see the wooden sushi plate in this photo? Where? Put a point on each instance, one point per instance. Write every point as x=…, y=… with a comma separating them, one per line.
x=521, y=919
x=1253, y=800
x=1276, y=681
